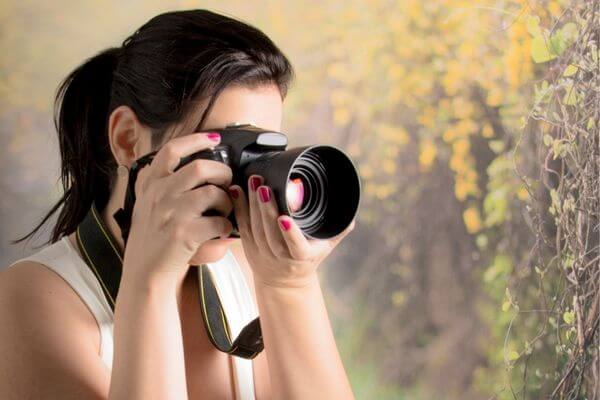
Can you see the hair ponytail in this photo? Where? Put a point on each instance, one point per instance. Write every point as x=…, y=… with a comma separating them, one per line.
x=81, y=111
x=160, y=72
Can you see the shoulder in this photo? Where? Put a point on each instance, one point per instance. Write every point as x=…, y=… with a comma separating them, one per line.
x=47, y=333
x=34, y=290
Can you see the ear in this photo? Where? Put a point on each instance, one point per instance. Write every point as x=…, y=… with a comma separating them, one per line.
x=128, y=138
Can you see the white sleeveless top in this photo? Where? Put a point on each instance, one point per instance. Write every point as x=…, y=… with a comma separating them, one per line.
x=229, y=279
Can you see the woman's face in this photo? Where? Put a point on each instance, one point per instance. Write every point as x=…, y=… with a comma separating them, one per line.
x=261, y=106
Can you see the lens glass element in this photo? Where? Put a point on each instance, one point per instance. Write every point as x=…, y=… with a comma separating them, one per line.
x=294, y=194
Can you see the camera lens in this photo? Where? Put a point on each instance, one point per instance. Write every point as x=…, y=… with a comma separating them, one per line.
x=318, y=186
x=308, y=173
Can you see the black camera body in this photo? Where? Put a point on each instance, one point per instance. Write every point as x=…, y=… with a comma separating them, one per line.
x=318, y=186
x=240, y=145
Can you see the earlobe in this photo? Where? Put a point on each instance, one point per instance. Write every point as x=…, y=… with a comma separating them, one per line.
x=126, y=135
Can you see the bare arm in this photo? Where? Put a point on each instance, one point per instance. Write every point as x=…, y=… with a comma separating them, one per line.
x=300, y=350
x=149, y=357
x=303, y=358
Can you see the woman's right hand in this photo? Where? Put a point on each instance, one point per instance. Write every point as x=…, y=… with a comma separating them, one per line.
x=167, y=225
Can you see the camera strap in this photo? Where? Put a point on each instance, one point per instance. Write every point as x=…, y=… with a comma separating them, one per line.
x=105, y=259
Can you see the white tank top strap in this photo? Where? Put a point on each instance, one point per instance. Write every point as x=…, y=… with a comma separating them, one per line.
x=63, y=259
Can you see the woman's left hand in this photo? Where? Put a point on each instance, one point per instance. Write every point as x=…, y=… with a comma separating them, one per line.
x=277, y=250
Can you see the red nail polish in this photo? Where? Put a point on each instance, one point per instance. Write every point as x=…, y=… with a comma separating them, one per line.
x=264, y=193
x=285, y=224
x=234, y=193
x=255, y=183
x=214, y=137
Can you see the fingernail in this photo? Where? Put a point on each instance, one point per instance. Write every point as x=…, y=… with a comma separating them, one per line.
x=234, y=193
x=214, y=137
x=285, y=224
x=255, y=183
x=264, y=194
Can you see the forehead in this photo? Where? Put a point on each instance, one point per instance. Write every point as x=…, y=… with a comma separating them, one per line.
x=260, y=105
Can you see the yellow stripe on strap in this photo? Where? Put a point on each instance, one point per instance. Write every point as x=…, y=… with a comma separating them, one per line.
x=107, y=236
x=205, y=314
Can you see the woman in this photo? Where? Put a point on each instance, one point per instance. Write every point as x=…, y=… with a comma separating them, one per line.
x=179, y=73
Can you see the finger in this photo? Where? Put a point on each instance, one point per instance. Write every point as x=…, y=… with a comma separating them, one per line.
x=196, y=202
x=299, y=247
x=169, y=156
x=241, y=210
x=269, y=214
x=256, y=226
x=200, y=230
x=196, y=173
x=141, y=181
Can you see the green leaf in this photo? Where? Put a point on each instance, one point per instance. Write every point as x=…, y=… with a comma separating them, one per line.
x=555, y=199
x=497, y=146
x=528, y=347
x=570, y=32
x=501, y=267
x=513, y=355
x=557, y=44
x=540, y=271
x=558, y=148
x=569, y=317
x=533, y=25
x=563, y=38
x=571, y=97
x=569, y=261
x=540, y=52
x=482, y=241
x=570, y=70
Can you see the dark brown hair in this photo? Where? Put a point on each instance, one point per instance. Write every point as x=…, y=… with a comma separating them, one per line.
x=172, y=61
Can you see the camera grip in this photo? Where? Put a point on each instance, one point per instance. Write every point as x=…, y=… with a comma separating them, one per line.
x=220, y=155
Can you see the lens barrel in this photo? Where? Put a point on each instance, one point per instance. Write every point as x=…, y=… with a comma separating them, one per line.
x=326, y=187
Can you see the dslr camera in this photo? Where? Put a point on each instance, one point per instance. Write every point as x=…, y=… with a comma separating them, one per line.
x=318, y=186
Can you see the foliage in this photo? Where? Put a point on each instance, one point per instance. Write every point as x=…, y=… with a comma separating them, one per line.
x=443, y=89
x=565, y=210
x=473, y=270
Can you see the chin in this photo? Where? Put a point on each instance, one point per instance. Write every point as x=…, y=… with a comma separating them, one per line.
x=211, y=251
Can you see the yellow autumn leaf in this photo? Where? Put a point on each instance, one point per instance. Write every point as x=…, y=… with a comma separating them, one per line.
x=398, y=298
x=394, y=134
x=472, y=220
x=427, y=154
x=389, y=166
x=487, y=131
x=341, y=116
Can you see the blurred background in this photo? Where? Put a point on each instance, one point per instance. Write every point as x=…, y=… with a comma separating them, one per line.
x=472, y=272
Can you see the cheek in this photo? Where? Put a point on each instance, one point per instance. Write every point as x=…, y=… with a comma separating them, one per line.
x=211, y=251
